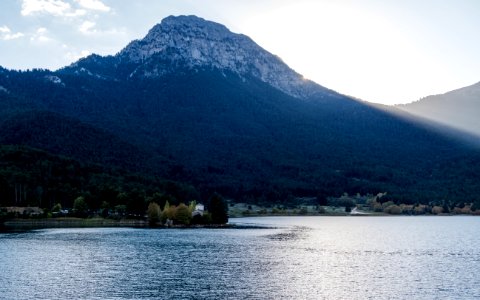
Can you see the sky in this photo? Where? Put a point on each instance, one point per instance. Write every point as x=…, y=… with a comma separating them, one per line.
x=383, y=51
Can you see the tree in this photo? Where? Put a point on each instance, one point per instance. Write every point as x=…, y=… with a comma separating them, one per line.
x=436, y=210
x=192, y=206
x=475, y=205
x=168, y=212
x=219, y=209
x=183, y=214
x=80, y=207
x=393, y=209
x=57, y=207
x=446, y=207
x=105, y=209
x=153, y=213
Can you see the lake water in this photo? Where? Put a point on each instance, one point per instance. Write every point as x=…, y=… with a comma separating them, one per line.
x=296, y=258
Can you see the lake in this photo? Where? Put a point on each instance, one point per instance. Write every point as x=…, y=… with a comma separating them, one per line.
x=294, y=258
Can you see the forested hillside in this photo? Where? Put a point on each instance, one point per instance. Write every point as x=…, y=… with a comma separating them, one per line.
x=223, y=127
x=30, y=177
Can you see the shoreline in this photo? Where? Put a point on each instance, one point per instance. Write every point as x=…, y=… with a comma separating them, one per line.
x=10, y=225
x=20, y=224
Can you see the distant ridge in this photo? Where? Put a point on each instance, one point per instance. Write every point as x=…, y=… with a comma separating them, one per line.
x=459, y=108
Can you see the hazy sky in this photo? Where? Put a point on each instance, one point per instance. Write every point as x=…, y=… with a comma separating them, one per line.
x=385, y=51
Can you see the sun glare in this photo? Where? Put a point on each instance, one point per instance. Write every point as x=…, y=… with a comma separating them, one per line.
x=344, y=46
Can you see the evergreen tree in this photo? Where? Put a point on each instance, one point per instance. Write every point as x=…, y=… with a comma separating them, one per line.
x=80, y=207
x=219, y=209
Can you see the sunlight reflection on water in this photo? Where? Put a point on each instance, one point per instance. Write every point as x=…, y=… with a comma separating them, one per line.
x=300, y=258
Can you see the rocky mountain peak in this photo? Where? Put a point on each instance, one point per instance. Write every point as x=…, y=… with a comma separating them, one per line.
x=191, y=37
x=192, y=25
x=194, y=42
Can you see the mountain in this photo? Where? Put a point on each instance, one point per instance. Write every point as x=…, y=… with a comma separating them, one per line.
x=189, y=42
x=459, y=108
x=196, y=103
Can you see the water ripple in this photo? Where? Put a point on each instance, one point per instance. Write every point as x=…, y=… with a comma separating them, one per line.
x=295, y=258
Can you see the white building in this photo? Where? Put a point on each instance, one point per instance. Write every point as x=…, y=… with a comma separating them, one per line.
x=199, y=209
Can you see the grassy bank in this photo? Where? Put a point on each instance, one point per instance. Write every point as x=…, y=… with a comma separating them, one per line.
x=246, y=210
x=70, y=222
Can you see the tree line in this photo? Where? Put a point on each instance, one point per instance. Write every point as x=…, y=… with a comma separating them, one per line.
x=30, y=177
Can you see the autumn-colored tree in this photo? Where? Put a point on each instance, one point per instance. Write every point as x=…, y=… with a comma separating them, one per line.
x=192, y=206
x=183, y=214
x=154, y=213
x=436, y=210
x=168, y=212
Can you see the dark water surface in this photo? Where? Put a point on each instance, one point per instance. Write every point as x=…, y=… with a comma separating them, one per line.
x=301, y=258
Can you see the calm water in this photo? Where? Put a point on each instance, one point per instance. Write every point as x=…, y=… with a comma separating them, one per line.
x=301, y=258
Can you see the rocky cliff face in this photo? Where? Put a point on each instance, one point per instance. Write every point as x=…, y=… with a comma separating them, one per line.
x=192, y=42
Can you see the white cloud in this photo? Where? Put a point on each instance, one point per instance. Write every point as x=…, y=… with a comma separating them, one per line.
x=76, y=13
x=41, y=30
x=87, y=27
x=61, y=8
x=93, y=5
x=85, y=53
x=40, y=35
x=6, y=34
x=90, y=28
x=53, y=7
x=71, y=56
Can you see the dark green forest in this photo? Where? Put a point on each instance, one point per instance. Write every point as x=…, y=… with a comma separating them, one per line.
x=189, y=134
x=30, y=177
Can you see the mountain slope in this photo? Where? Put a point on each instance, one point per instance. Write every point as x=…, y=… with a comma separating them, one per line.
x=235, y=119
x=459, y=108
x=71, y=138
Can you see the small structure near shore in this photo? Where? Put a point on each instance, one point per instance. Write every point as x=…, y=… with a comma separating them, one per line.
x=199, y=210
x=23, y=211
